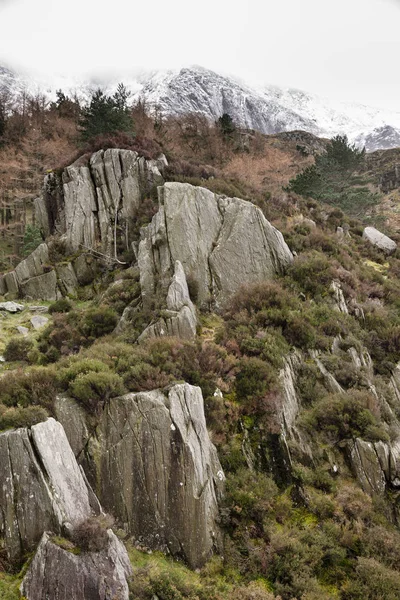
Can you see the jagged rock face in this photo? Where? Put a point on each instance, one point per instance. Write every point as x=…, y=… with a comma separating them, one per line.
x=222, y=243
x=92, y=197
x=41, y=486
x=31, y=279
x=159, y=473
x=59, y=574
x=380, y=240
x=179, y=319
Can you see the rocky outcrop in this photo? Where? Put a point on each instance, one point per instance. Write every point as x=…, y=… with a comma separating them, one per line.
x=158, y=472
x=60, y=574
x=340, y=302
x=41, y=486
x=375, y=464
x=380, y=240
x=31, y=277
x=91, y=200
x=179, y=319
x=222, y=243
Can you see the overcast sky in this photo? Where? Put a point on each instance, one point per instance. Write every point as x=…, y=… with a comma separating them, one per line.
x=345, y=49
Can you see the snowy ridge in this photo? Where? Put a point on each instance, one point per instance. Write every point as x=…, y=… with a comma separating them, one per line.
x=268, y=109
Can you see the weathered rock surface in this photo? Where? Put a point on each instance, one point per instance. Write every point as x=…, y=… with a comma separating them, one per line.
x=73, y=418
x=58, y=574
x=222, y=243
x=41, y=486
x=159, y=473
x=42, y=287
x=90, y=198
x=11, y=307
x=39, y=321
x=179, y=319
x=380, y=240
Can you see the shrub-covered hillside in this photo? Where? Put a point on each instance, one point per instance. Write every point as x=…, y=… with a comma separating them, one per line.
x=298, y=373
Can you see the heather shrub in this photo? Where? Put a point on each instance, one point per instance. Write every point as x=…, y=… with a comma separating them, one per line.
x=91, y=535
x=79, y=366
x=36, y=386
x=342, y=416
x=97, y=322
x=18, y=349
x=63, y=335
x=373, y=581
x=93, y=389
x=15, y=417
x=313, y=272
x=255, y=386
x=61, y=306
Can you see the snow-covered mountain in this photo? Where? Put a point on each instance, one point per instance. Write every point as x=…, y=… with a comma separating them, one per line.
x=268, y=109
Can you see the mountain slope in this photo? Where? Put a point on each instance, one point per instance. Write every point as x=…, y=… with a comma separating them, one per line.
x=268, y=109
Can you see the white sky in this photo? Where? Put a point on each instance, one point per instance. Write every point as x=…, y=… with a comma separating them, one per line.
x=345, y=49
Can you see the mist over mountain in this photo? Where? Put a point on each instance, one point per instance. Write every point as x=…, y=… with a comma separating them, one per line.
x=268, y=109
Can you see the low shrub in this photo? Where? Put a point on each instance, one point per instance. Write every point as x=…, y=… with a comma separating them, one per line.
x=98, y=322
x=36, y=386
x=18, y=349
x=60, y=306
x=94, y=389
x=15, y=417
x=343, y=416
x=91, y=535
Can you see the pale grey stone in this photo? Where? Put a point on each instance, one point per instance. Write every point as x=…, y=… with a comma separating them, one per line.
x=38, y=321
x=33, y=265
x=67, y=280
x=62, y=575
x=23, y=330
x=11, y=307
x=42, y=287
x=380, y=240
x=159, y=473
x=41, y=486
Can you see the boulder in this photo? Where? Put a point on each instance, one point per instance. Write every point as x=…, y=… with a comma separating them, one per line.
x=11, y=307
x=43, y=287
x=158, y=472
x=33, y=265
x=39, y=321
x=380, y=240
x=67, y=280
x=60, y=574
x=41, y=486
x=366, y=466
x=222, y=243
x=23, y=330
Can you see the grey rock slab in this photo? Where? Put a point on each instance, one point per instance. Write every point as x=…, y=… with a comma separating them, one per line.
x=38, y=321
x=33, y=265
x=41, y=486
x=42, y=287
x=11, y=307
x=62, y=470
x=222, y=243
x=73, y=418
x=23, y=330
x=159, y=473
x=39, y=309
x=62, y=575
x=379, y=239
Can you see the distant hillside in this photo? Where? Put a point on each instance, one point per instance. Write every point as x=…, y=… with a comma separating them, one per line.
x=267, y=109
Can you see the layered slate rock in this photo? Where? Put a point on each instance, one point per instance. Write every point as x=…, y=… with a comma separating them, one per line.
x=41, y=486
x=88, y=200
x=179, y=319
x=159, y=472
x=60, y=574
x=222, y=243
x=380, y=240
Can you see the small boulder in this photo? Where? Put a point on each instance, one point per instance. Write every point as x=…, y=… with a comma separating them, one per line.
x=11, y=307
x=23, y=330
x=38, y=321
x=57, y=573
x=380, y=240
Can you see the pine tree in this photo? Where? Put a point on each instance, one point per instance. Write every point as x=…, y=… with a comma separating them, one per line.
x=106, y=114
